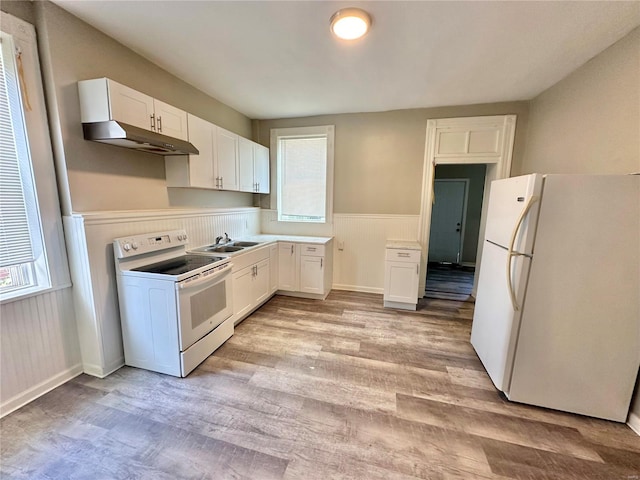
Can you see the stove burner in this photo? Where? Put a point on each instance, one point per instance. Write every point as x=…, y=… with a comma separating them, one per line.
x=179, y=265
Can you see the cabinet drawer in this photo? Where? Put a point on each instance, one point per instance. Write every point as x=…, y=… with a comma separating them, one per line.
x=400, y=255
x=312, y=250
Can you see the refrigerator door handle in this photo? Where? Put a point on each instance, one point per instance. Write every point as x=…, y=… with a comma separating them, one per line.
x=512, y=253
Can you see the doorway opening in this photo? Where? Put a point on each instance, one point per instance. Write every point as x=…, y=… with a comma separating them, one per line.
x=487, y=141
x=455, y=229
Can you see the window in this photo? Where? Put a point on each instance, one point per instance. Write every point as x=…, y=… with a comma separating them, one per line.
x=23, y=265
x=304, y=164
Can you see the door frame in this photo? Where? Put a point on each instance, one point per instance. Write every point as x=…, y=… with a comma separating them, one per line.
x=463, y=220
x=498, y=166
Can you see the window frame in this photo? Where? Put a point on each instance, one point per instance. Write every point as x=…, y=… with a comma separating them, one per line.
x=52, y=267
x=326, y=131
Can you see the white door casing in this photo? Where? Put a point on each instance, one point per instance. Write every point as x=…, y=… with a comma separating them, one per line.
x=448, y=216
x=466, y=140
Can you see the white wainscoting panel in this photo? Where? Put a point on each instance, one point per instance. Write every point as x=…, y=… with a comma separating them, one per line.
x=39, y=347
x=90, y=237
x=360, y=265
x=270, y=225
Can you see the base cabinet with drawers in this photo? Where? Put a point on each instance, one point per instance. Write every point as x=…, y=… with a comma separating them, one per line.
x=401, y=275
x=287, y=268
x=305, y=270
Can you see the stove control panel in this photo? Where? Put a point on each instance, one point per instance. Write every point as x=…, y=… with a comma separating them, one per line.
x=146, y=243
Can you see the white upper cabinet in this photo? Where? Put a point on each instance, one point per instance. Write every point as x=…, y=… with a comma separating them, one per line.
x=245, y=161
x=102, y=99
x=194, y=170
x=227, y=159
x=170, y=120
x=129, y=106
x=261, y=167
x=253, y=161
x=216, y=166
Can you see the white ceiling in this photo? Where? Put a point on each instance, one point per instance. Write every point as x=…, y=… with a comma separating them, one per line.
x=274, y=59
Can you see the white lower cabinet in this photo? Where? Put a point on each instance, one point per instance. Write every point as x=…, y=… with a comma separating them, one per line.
x=401, y=278
x=261, y=282
x=305, y=269
x=273, y=268
x=287, y=267
x=251, y=282
x=311, y=275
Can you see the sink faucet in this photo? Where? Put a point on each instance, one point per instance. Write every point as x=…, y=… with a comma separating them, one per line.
x=226, y=239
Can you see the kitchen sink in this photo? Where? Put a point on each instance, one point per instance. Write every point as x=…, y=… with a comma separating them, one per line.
x=224, y=249
x=246, y=244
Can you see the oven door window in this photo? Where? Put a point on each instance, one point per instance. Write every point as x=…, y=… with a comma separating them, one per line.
x=202, y=308
x=206, y=304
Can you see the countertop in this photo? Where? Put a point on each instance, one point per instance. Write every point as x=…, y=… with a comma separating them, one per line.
x=403, y=244
x=266, y=238
x=262, y=240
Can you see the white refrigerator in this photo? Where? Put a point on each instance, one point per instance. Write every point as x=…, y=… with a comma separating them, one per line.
x=557, y=314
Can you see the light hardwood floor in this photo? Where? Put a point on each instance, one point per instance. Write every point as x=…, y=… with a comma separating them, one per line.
x=340, y=389
x=449, y=282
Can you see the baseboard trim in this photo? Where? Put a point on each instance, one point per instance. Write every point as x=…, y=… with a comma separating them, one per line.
x=634, y=423
x=356, y=288
x=100, y=372
x=38, y=390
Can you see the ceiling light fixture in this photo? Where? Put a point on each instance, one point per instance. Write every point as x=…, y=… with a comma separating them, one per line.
x=350, y=23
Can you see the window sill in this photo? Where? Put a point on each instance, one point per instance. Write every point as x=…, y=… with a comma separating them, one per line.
x=25, y=293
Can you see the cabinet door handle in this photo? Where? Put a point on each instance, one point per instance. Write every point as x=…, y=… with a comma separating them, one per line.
x=159, y=123
x=402, y=254
x=291, y=249
x=153, y=121
x=311, y=249
x=321, y=262
x=417, y=269
x=221, y=182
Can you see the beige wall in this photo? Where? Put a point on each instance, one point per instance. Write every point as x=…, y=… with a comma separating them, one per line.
x=590, y=121
x=379, y=157
x=103, y=177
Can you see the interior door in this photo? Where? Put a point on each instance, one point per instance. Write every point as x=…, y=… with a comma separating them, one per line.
x=447, y=214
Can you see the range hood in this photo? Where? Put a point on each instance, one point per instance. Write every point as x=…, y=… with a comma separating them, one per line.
x=128, y=136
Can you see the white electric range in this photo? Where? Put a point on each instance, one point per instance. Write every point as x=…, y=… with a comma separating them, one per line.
x=175, y=308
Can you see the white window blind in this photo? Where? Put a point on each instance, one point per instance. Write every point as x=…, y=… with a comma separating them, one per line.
x=21, y=244
x=304, y=160
x=303, y=187
x=15, y=233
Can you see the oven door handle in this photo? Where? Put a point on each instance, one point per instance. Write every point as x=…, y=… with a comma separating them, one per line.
x=203, y=278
